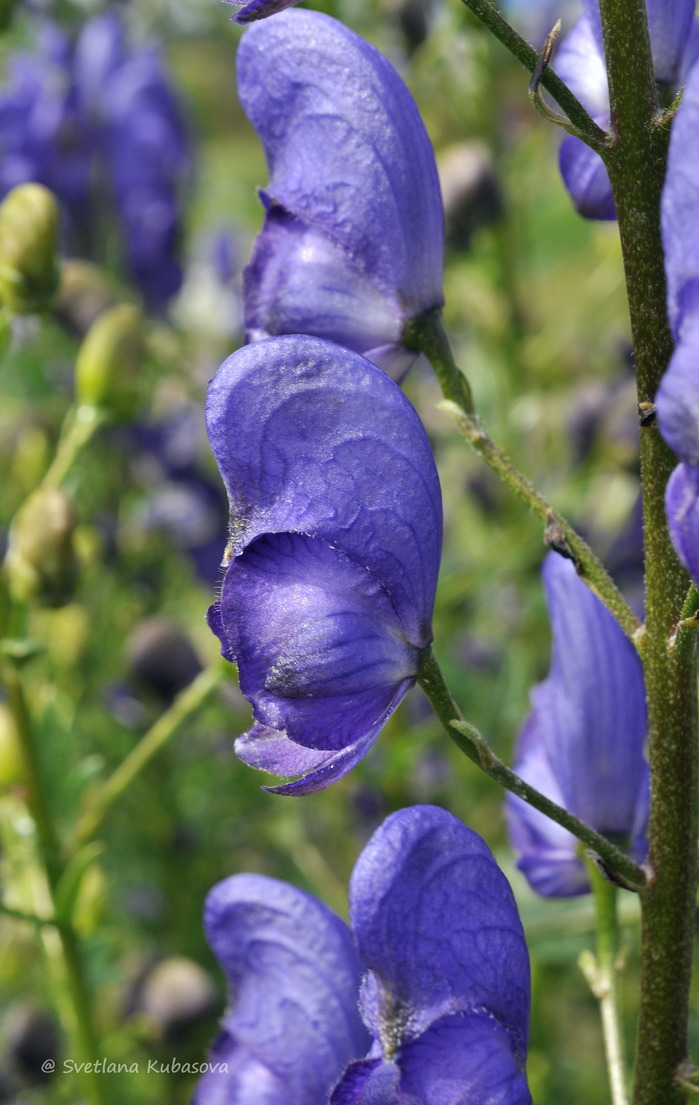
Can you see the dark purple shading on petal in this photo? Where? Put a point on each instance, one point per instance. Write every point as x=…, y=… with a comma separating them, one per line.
x=682, y=508
x=462, y=1059
x=301, y=429
x=351, y=162
x=294, y=978
x=677, y=401
x=435, y=920
x=300, y=282
x=368, y=1082
x=277, y=754
x=582, y=745
x=670, y=25
x=258, y=9
x=319, y=647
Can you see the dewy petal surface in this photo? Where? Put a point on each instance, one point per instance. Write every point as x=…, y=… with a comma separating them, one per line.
x=294, y=977
x=347, y=151
x=583, y=742
x=311, y=438
x=435, y=920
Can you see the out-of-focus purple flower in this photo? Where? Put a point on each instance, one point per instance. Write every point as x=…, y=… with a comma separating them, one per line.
x=445, y=1000
x=582, y=744
x=252, y=10
x=677, y=400
x=182, y=500
x=98, y=123
x=353, y=241
x=674, y=34
x=334, y=549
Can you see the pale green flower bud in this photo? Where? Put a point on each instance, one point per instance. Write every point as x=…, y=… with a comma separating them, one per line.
x=29, y=266
x=108, y=368
x=41, y=562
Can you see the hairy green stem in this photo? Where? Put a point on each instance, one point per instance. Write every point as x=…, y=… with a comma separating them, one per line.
x=636, y=166
x=191, y=699
x=527, y=55
x=428, y=335
x=602, y=973
x=472, y=744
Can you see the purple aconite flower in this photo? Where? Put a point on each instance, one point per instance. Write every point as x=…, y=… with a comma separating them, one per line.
x=582, y=744
x=353, y=241
x=98, y=123
x=674, y=34
x=678, y=396
x=444, y=1002
x=251, y=10
x=336, y=527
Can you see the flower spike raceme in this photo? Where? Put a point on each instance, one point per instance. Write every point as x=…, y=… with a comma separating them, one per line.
x=678, y=395
x=582, y=744
x=674, y=35
x=445, y=1002
x=353, y=240
x=336, y=527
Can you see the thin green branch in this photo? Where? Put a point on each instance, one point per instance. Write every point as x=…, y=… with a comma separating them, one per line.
x=471, y=743
x=22, y=915
x=80, y=425
x=602, y=973
x=83, y=1030
x=428, y=335
x=585, y=126
x=191, y=699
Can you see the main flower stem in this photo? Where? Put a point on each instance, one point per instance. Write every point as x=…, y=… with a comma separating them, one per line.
x=472, y=744
x=636, y=166
x=428, y=335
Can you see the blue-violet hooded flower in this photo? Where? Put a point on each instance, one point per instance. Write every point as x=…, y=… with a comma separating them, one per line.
x=442, y=1014
x=582, y=744
x=674, y=35
x=677, y=400
x=332, y=562
x=353, y=240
